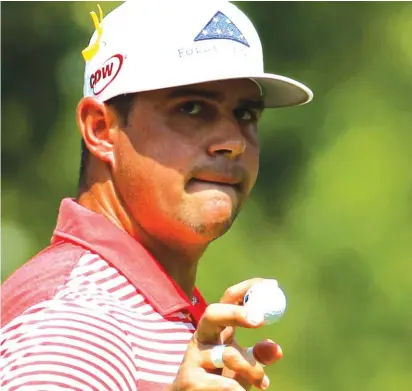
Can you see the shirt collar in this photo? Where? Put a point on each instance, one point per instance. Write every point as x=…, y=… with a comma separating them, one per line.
x=93, y=231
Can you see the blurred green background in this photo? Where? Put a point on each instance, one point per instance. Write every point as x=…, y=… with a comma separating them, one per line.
x=331, y=215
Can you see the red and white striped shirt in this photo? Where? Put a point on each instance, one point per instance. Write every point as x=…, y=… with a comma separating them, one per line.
x=94, y=311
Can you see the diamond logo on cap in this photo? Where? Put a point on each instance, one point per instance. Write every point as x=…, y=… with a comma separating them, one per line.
x=221, y=27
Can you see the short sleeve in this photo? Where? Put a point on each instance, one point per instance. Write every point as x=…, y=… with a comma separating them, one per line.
x=61, y=345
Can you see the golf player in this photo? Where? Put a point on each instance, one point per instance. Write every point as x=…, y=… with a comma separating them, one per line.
x=172, y=96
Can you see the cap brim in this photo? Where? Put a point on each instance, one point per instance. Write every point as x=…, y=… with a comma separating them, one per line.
x=280, y=91
x=277, y=91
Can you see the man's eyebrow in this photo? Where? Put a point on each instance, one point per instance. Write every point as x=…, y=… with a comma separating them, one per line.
x=214, y=95
x=258, y=104
x=196, y=92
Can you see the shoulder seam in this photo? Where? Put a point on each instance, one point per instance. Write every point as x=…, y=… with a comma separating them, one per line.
x=70, y=273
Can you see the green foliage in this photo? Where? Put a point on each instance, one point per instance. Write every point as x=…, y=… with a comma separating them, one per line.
x=331, y=214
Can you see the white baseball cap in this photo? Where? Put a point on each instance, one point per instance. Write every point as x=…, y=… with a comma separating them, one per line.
x=145, y=45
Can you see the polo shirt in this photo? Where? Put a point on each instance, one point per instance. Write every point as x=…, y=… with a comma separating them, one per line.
x=93, y=311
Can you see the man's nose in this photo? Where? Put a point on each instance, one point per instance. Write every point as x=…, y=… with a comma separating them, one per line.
x=230, y=142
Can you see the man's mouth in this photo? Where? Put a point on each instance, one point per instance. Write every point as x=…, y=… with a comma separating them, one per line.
x=218, y=181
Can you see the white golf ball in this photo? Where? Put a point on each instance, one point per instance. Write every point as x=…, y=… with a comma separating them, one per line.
x=266, y=298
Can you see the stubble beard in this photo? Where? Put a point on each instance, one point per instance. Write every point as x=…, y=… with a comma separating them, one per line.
x=212, y=231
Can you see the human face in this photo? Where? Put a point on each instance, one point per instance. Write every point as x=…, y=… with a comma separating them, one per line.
x=188, y=158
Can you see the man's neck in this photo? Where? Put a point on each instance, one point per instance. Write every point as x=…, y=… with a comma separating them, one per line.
x=180, y=262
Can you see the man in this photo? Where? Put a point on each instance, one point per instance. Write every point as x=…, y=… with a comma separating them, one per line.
x=172, y=96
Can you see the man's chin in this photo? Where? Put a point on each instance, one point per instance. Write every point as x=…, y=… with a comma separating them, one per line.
x=210, y=220
x=212, y=230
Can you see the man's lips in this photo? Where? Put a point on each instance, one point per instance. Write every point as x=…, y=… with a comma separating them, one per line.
x=218, y=180
x=220, y=177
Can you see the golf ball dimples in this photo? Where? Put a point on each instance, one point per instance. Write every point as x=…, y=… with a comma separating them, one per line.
x=266, y=297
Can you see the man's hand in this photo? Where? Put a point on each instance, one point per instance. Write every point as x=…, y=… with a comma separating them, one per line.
x=241, y=370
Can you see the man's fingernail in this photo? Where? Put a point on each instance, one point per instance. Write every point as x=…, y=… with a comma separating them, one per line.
x=254, y=317
x=279, y=352
x=265, y=382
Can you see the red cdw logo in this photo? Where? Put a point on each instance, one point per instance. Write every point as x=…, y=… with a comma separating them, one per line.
x=100, y=79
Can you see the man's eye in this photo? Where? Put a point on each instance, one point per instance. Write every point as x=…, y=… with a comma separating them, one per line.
x=246, y=115
x=191, y=108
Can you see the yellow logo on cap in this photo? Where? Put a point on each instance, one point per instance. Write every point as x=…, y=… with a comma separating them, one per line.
x=93, y=48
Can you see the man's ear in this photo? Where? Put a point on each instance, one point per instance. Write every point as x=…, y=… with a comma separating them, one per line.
x=97, y=125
